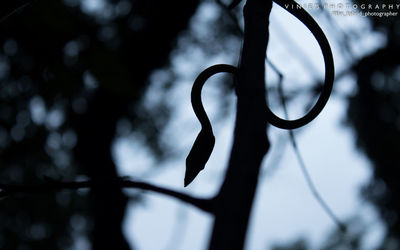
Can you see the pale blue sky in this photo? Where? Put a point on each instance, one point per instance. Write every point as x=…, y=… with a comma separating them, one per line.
x=284, y=207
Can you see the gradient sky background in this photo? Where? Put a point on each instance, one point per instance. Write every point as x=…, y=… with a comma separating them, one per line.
x=284, y=207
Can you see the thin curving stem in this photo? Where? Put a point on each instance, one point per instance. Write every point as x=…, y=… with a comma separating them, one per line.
x=204, y=143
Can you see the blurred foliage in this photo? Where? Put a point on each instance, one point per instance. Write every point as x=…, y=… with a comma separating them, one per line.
x=74, y=76
x=374, y=115
x=70, y=70
x=299, y=244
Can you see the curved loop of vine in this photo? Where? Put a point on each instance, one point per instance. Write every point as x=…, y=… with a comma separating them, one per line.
x=197, y=157
x=204, y=143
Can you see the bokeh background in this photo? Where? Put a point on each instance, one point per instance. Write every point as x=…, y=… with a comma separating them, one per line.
x=95, y=88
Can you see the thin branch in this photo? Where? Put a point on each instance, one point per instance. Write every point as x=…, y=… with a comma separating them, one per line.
x=54, y=186
x=18, y=9
x=304, y=170
x=312, y=187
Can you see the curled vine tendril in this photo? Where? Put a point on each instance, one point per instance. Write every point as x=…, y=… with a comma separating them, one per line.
x=204, y=143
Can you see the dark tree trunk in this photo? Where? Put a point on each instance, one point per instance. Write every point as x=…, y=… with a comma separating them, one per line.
x=234, y=202
x=96, y=130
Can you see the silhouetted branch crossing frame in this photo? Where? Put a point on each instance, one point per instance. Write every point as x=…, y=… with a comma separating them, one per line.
x=51, y=185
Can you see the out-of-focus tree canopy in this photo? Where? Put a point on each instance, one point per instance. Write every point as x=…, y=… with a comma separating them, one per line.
x=374, y=115
x=70, y=70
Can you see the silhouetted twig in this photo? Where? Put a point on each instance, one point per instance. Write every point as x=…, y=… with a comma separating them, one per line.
x=53, y=185
x=2, y=19
x=303, y=167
